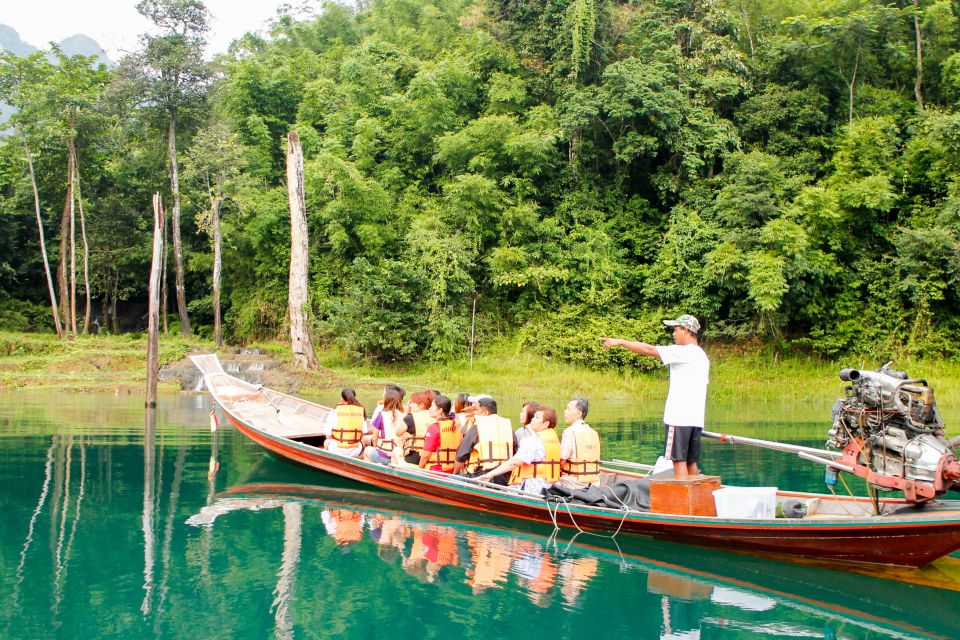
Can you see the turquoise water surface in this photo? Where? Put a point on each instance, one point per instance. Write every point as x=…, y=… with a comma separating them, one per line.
x=183, y=533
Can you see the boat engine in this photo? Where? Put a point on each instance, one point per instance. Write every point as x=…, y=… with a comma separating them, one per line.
x=891, y=434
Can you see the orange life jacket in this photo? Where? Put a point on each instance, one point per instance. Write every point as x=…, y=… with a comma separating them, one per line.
x=349, y=427
x=586, y=467
x=549, y=468
x=450, y=438
x=494, y=444
x=421, y=420
x=490, y=560
x=349, y=526
x=447, y=553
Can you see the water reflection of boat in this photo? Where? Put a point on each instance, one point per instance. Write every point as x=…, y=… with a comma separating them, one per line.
x=488, y=550
x=842, y=529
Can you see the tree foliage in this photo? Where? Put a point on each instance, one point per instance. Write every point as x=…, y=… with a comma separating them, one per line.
x=566, y=167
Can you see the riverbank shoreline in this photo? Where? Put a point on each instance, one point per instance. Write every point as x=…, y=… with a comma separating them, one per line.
x=106, y=362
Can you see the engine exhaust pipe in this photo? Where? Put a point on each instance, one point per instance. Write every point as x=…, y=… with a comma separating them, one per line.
x=849, y=375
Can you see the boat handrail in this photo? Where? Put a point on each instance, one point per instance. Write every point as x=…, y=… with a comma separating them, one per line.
x=628, y=465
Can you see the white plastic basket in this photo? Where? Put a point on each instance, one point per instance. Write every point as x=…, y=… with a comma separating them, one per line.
x=754, y=503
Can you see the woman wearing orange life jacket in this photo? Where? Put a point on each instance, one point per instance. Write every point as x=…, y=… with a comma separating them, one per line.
x=439, y=452
x=536, y=465
x=417, y=421
x=386, y=444
x=346, y=425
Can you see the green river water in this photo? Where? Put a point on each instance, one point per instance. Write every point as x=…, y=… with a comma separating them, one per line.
x=108, y=533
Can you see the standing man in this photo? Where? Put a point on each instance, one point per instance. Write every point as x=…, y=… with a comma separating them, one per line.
x=686, y=401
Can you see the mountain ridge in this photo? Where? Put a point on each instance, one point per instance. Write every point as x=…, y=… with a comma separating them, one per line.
x=77, y=44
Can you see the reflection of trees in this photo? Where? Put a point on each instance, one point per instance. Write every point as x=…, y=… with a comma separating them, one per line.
x=149, y=486
x=33, y=520
x=286, y=576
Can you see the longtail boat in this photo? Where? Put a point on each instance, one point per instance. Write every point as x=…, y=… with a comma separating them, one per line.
x=838, y=529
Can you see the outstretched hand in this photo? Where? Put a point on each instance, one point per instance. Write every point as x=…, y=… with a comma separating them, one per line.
x=610, y=342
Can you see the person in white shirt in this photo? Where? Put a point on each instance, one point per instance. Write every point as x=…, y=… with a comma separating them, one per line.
x=683, y=413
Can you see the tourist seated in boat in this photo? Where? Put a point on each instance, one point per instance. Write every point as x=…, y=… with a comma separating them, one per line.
x=487, y=444
x=463, y=411
x=579, y=448
x=385, y=444
x=379, y=407
x=442, y=440
x=536, y=464
x=417, y=421
x=346, y=425
x=526, y=415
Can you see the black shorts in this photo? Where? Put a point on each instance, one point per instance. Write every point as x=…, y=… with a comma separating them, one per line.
x=683, y=444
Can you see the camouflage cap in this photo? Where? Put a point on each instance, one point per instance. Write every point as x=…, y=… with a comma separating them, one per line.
x=686, y=321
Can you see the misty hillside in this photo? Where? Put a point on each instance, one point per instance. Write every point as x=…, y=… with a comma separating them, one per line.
x=78, y=44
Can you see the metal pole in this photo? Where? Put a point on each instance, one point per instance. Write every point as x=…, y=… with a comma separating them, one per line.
x=473, y=322
x=769, y=444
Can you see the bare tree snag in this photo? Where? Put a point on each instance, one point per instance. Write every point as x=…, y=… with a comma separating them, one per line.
x=86, y=246
x=175, y=224
x=71, y=192
x=302, y=346
x=217, y=260
x=63, y=276
x=164, y=293
x=43, y=242
x=153, y=314
x=918, y=85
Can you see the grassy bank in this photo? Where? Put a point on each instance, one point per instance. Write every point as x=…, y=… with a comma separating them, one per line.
x=739, y=377
x=84, y=363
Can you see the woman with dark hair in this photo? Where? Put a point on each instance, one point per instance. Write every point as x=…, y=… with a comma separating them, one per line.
x=388, y=429
x=346, y=425
x=442, y=439
x=526, y=415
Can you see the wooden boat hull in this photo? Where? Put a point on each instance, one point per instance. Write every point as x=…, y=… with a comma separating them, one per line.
x=910, y=539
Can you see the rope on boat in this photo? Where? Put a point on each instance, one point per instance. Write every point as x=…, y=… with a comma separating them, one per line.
x=556, y=527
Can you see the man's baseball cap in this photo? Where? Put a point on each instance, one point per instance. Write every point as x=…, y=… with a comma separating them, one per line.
x=686, y=321
x=478, y=397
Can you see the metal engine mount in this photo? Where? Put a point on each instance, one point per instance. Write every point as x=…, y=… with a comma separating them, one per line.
x=891, y=434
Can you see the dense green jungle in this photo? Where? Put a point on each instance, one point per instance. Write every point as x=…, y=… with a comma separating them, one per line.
x=540, y=171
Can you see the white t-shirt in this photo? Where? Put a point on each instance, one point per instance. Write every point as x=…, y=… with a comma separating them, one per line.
x=531, y=450
x=689, y=376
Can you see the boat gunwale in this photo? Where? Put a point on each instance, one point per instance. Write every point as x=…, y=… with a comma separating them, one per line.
x=466, y=487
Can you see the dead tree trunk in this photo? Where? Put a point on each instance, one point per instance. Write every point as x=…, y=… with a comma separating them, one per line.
x=114, y=320
x=43, y=242
x=175, y=223
x=164, y=292
x=303, y=352
x=918, y=85
x=217, y=257
x=153, y=314
x=63, y=276
x=71, y=191
x=851, y=86
x=86, y=245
